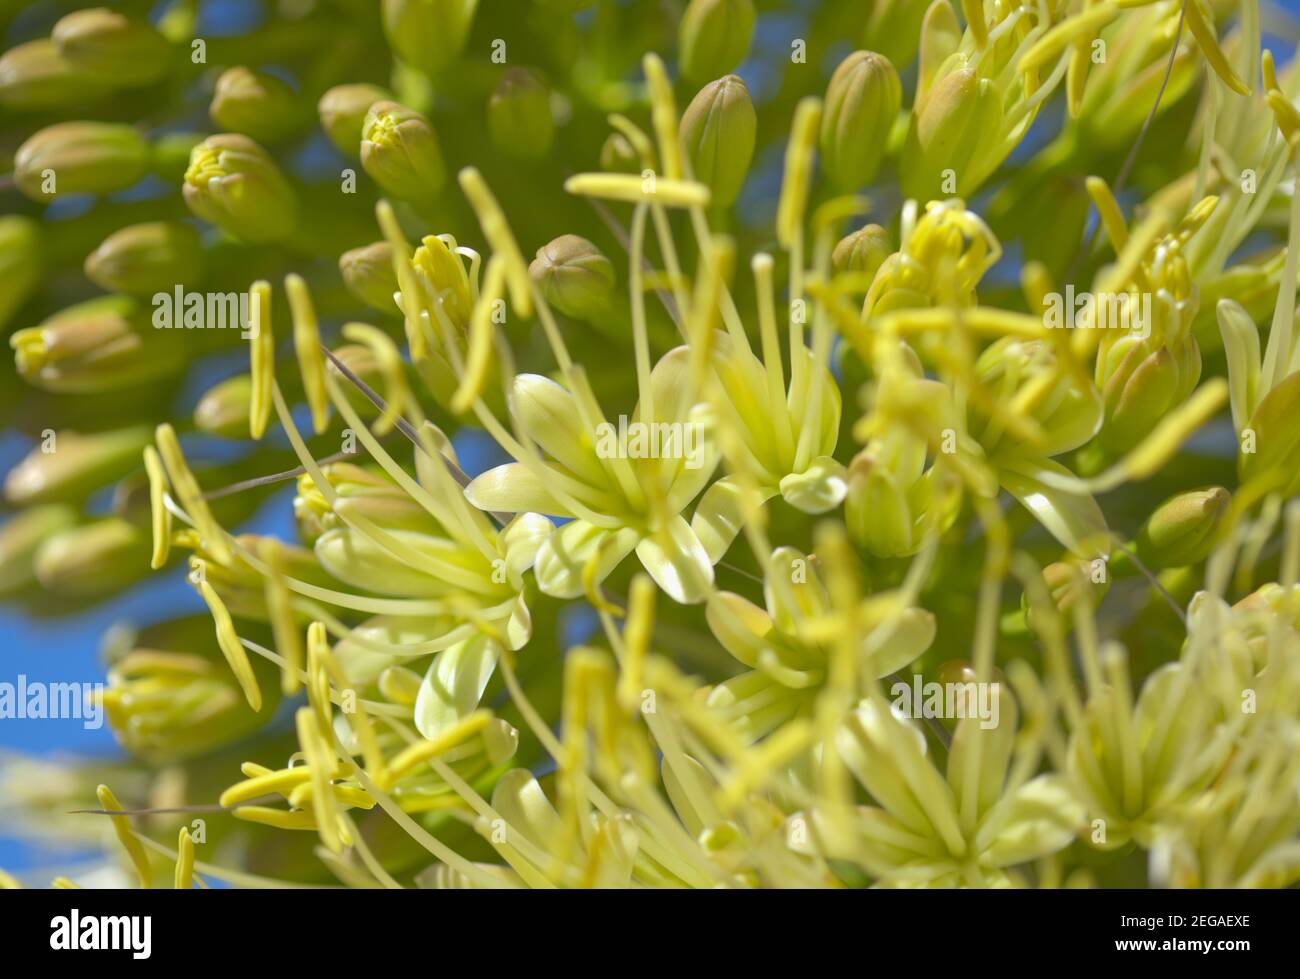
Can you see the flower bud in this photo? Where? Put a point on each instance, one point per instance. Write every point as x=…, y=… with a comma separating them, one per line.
x=35, y=77
x=446, y=275
x=169, y=706
x=878, y=510
x=21, y=537
x=95, y=347
x=863, y=251
x=717, y=133
x=617, y=155
x=893, y=28
x=116, y=48
x=343, y=111
x=144, y=259
x=361, y=492
x=952, y=130
x=254, y=103
x=1276, y=427
x=71, y=466
x=574, y=276
x=20, y=263
x=862, y=102
x=428, y=34
x=233, y=183
x=399, y=149
x=519, y=115
x=1183, y=529
x=1142, y=380
x=714, y=37
x=223, y=410
x=93, y=560
x=80, y=158
x=368, y=274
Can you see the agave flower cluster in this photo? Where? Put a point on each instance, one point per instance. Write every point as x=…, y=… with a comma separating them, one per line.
x=731, y=540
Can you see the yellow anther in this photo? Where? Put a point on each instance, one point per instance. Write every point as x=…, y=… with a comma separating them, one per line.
x=161, y=517
x=122, y=827
x=262, y=356
x=663, y=116
x=481, y=330
x=320, y=760
x=279, y=608
x=307, y=348
x=189, y=494
x=184, y=878
x=497, y=231
x=636, y=189
x=231, y=647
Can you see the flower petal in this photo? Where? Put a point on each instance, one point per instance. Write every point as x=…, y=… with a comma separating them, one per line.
x=678, y=563
x=454, y=685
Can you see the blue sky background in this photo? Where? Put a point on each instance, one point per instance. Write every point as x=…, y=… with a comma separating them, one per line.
x=67, y=648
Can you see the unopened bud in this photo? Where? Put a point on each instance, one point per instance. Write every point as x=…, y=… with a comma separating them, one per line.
x=223, y=410
x=1276, y=425
x=72, y=465
x=343, y=111
x=255, y=103
x=20, y=263
x=717, y=133
x=862, y=102
x=35, y=77
x=399, y=149
x=368, y=273
x=714, y=37
x=116, y=48
x=95, y=347
x=960, y=117
x=233, y=182
x=80, y=158
x=1184, y=529
x=96, y=559
x=145, y=259
x=21, y=537
x=519, y=115
x=574, y=276
x=863, y=251
x=428, y=34
x=1142, y=380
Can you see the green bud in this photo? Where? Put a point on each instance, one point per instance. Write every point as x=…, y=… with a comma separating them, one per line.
x=617, y=155
x=953, y=129
x=714, y=37
x=862, y=102
x=1275, y=426
x=864, y=250
x=35, y=77
x=233, y=182
x=114, y=47
x=21, y=537
x=428, y=34
x=717, y=133
x=20, y=263
x=93, y=560
x=68, y=466
x=343, y=111
x=144, y=259
x=1183, y=529
x=519, y=115
x=1070, y=581
x=574, y=276
x=167, y=707
x=223, y=410
x=399, y=149
x=80, y=158
x=1141, y=381
x=879, y=509
x=359, y=491
x=368, y=273
x=254, y=103
x=95, y=347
